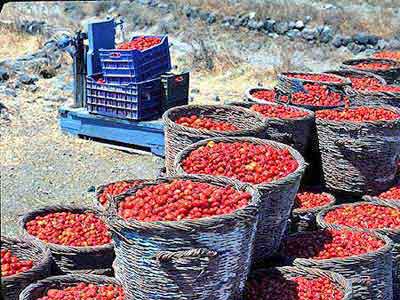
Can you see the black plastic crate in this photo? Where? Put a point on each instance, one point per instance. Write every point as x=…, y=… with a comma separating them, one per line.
x=134, y=101
x=176, y=90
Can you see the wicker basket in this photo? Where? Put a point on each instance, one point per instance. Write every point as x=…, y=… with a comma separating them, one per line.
x=288, y=273
x=277, y=197
x=306, y=219
x=39, y=289
x=177, y=137
x=391, y=202
x=207, y=258
x=249, y=95
x=100, y=191
x=11, y=286
x=393, y=234
x=96, y=260
x=390, y=75
x=287, y=86
x=295, y=132
x=370, y=274
x=359, y=157
x=361, y=97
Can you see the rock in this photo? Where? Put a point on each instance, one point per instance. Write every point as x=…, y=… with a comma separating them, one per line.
x=281, y=27
x=269, y=25
x=252, y=15
x=55, y=98
x=293, y=34
x=195, y=91
x=394, y=44
x=26, y=79
x=33, y=88
x=291, y=24
x=307, y=19
x=255, y=25
x=299, y=25
x=10, y=92
x=365, y=39
x=212, y=18
x=356, y=48
x=309, y=34
x=4, y=75
x=382, y=44
x=273, y=35
x=337, y=41
x=326, y=34
x=187, y=11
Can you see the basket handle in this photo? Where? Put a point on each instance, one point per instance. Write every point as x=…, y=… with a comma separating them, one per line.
x=115, y=55
x=193, y=254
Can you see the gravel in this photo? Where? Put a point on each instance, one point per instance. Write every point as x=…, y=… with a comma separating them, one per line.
x=41, y=166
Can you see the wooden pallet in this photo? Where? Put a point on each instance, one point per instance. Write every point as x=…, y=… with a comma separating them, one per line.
x=147, y=135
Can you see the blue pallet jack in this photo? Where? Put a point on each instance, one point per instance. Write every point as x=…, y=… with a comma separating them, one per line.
x=76, y=120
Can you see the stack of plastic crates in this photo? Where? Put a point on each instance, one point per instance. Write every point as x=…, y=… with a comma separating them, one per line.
x=130, y=84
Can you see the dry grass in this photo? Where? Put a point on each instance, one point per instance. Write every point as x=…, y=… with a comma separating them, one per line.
x=381, y=21
x=20, y=43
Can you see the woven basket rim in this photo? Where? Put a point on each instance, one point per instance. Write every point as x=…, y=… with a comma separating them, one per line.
x=186, y=224
x=338, y=279
x=67, y=279
x=376, y=198
x=345, y=81
x=282, y=181
x=201, y=132
x=348, y=259
x=249, y=96
x=309, y=116
x=45, y=258
x=322, y=223
x=357, y=72
x=62, y=208
x=386, y=107
x=317, y=208
x=350, y=62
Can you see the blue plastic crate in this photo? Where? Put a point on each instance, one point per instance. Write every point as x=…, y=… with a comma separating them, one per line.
x=135, y=101
x=128, y=66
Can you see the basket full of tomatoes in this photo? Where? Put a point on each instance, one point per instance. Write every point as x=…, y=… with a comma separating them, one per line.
x=184, y=237
x=185, y=125
x=22, y=263
x=273, y=169
x=77, y=237
x=359, y=148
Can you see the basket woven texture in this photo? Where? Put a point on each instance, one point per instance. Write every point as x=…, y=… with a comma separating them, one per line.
x=177, y=137
x=306, y=219
x=287, y=86
x=100, y=190
x=391, y=202
x=248, y=94
x=370, y=274
x=341, y=283
x=39, y=289
x=295, y=132
x=360, y=97
x=393, y=234
x=207, y=258
x=390, y=75
x=359, y=157
x=68, y=259
x=277, y=197
x=11, y=286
